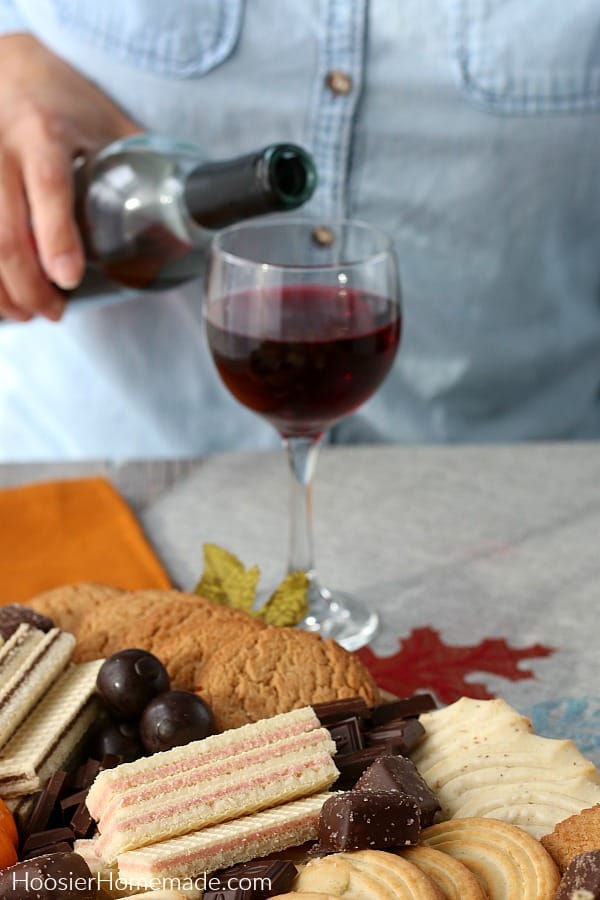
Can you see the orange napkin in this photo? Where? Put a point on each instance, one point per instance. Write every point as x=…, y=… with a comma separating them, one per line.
x=62, y=532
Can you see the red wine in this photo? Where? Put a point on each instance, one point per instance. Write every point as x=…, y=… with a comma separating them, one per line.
x=303, y=356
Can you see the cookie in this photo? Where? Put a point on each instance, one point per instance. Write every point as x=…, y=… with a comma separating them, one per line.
x=275, y=669
x=67, y=606
x=572, y=836
x=480, y=759
x=366, y=875
x=507, y=860
x=453, y=878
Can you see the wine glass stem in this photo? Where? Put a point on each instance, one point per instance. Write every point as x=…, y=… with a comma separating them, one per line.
x=302, y=454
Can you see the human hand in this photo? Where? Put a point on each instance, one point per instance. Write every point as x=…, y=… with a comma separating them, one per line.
x=48, y=114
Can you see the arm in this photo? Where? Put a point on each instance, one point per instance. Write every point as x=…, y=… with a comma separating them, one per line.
x=48, y=112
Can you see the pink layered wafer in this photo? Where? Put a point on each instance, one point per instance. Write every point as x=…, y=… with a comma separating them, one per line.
x=166, y=813
x=220, y=846
x=230, y=765
x=113, y=783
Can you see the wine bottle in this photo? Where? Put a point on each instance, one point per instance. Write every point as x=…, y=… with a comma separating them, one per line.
x=147, y=207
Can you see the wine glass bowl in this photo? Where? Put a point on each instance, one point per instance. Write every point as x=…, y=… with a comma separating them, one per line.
x=303, y=322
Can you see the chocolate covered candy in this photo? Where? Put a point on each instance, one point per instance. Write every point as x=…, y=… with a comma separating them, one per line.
x=54, y=876
x=128, y=679
x=397, y=773
x=581, y=880
x=174, y=718
x=363, y=820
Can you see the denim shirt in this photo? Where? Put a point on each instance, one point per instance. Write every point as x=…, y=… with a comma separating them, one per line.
x=469, y=129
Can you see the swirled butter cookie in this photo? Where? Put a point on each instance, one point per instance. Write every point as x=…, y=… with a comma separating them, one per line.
x=507, y=860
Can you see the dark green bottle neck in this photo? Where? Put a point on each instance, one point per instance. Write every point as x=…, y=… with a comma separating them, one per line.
x=280, y=177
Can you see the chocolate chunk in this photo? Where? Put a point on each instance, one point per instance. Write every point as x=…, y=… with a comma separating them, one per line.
x=368, y=820
x=400, y=735
x=397, y=773
x=86, y=773
x=45, y=838
x=14, y=614
x=255, y=880
x=582, y=878
x=334, y=710
x=347, y=735
x=43, y=814
x=69, y=804
x=404, y=708
x=82, y=822
x=352, y=765
x=53, y=876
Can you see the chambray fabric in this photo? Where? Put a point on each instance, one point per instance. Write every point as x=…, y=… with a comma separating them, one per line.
x=471, y=133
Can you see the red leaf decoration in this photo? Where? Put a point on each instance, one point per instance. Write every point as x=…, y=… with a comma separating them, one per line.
x=425, y=663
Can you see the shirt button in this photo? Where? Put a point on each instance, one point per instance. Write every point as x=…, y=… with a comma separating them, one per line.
x=338, y=82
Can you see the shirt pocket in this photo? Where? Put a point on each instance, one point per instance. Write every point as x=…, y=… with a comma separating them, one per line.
x=525, y=57
x=181, y=39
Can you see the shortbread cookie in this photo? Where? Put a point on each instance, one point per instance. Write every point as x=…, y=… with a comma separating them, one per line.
x=572, y=836
x=506, y=859
x=480, y=759
x=276, y=669
x=68, y=605
x=366, y=875
x=454, y=879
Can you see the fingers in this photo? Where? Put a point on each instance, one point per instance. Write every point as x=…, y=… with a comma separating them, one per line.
x=47, y=176
x=24, y=288
x=39, y=240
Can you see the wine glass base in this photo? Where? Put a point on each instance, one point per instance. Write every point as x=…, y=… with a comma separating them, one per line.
x=339, y=616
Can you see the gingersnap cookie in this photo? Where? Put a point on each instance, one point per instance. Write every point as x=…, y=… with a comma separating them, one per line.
x=68, y=605
x=572, y=836
x=366, y=875
x=275, y=669
x=453, y=878
x=507, y=860
x=180, y=628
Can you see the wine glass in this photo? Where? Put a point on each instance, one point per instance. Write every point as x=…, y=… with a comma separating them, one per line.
x=303, y=323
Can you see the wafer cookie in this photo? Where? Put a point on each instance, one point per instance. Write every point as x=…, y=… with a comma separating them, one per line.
x=17, y=648
x=129, y=802
x=112, y=784
x=39, y=667
x=52, y=731
x=224, y=845
x=167, y=813
x=368, y=874
x=506, y=859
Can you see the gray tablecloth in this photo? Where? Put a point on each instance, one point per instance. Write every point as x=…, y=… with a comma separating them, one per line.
x=483, y=562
